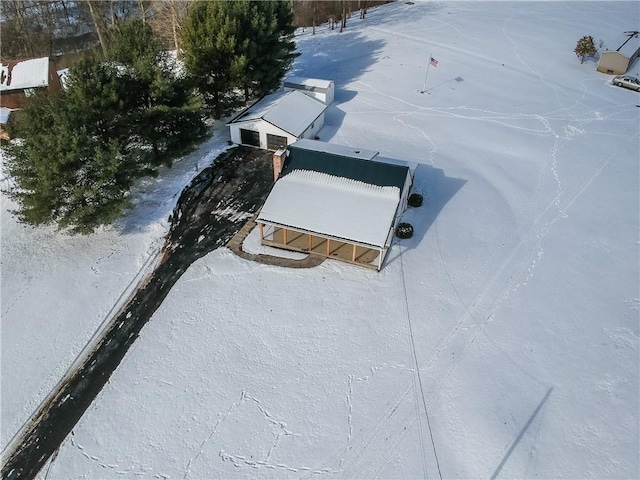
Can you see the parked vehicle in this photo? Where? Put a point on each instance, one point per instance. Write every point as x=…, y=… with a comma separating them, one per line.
x=627, y=81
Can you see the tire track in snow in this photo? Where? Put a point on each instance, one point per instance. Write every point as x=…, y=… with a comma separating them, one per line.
x=372, y=452
x=433, y=148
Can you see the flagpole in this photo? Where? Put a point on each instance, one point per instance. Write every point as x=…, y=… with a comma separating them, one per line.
x=424, y=87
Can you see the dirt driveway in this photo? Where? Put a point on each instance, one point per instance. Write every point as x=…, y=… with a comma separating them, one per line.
x=209, y=212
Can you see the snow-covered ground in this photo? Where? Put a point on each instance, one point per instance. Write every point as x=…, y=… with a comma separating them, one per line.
x=58, y=289
x=518, y=294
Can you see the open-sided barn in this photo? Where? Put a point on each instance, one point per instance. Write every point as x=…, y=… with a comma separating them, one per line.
x=334, y=201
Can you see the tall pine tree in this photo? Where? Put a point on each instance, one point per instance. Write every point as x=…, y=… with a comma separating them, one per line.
x=209, y=44
x=69, y=172
x=238, y=46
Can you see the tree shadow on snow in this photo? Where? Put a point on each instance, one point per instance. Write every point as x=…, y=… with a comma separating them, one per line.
x=344, y=57
x=437, y=189
x=334, y=115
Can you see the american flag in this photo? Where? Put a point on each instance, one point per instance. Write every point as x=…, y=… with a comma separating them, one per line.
x=433, y=62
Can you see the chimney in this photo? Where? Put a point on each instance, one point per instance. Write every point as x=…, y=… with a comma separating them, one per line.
x=279, y=156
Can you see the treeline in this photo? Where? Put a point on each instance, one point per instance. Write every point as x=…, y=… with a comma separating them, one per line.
x=33, y=28
x=312, y=13
x=130, y=107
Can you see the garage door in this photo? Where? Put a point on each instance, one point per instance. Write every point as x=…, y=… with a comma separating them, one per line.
x=274, y=142
x=249, y=137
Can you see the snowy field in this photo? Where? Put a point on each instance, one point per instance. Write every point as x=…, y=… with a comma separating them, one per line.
x=519, y=292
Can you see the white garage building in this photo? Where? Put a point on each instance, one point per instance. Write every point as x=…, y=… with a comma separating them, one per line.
x=278, y=120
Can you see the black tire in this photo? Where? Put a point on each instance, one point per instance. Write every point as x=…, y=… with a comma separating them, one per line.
x=404, y=230
x=618, y=84
x=415, y=200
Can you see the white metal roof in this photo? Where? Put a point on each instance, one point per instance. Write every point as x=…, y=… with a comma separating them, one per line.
x=333, y=206
x=309, y=82
x=335, y=149
x=624, y=45
x=26, y=74
x=290, y=111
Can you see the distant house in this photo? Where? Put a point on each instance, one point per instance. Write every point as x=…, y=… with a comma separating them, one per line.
x=277, y=120
x=617, y=61
x=20, y=79
x=335, y=201
x=323, y=90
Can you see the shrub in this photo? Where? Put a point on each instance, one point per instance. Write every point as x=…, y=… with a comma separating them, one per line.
x=585, y=48
x=404, y=230
x=415, y=200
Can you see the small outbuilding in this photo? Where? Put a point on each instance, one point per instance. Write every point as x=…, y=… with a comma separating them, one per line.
x=323, y=90
x=278, y=120
x=335, y=201
x=618, y=60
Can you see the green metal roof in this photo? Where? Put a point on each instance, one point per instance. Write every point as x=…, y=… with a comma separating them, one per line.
x=371, y=172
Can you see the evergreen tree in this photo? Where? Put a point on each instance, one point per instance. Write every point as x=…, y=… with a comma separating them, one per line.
x=585, y=48
x=65, y=174
x=238, y=46
x=168, y=115
x=82, y=151
x=209, y=44
x=271, y=49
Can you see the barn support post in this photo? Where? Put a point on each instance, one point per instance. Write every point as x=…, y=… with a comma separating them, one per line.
x=309, y=242
x=261, y=227
x=328, y=247
x=285, y=236
x=353, y=254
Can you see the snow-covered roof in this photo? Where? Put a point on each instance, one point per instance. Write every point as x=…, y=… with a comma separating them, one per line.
x=308, y=83
x=334, y=149
x=4, y=115
x=25, y=74
x=625, y=44
x=333, y=206
x=290, y=111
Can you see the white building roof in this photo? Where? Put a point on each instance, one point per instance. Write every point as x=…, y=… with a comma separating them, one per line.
x=26, y=74
x=624, y=45
x=309, y=82
x=334, y=148
x=333, y=206
x=290, y=111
